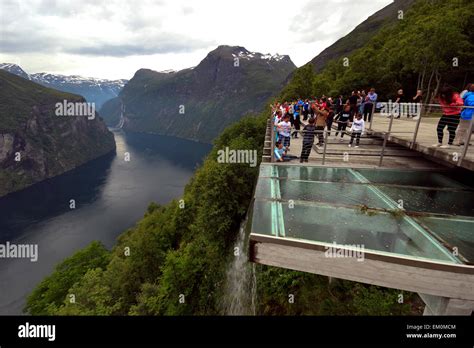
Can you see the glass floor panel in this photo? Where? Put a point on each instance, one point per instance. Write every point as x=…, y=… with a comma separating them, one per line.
x=433, y=201
x=308, y=173
x=411, y=178
x=455, y=232
x=326, y=224
x=326, y=205
x=335, y=193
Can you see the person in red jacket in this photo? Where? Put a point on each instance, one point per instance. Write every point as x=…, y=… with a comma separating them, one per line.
x=450, y=103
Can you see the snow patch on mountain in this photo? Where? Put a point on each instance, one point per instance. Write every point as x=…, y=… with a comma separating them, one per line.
x=252, y=55
x=93, y=89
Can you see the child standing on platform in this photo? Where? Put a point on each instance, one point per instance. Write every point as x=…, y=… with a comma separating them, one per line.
x=357, y=129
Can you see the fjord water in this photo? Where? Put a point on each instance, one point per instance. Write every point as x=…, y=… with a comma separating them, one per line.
x=111, y=195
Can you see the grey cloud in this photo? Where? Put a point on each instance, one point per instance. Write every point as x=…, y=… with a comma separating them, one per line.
x=308, y=25
x=142, y=33
x=187, y=10
x=131, y=49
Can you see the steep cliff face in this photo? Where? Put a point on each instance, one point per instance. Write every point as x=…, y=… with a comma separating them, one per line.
x=35, y=143
x=198, y=103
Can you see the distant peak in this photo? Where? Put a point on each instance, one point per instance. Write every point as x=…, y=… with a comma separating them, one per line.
x=168, y=71
x=243, y=53
x=14, y=69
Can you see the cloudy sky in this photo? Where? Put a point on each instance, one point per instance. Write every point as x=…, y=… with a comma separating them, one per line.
x=114, y=38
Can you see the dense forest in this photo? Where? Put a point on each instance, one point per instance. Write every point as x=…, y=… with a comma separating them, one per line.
x=430, y=45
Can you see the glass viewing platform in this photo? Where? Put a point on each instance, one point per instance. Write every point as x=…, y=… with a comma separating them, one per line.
x=424, y=216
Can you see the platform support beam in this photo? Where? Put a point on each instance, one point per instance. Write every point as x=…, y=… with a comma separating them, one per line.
x=436, y=305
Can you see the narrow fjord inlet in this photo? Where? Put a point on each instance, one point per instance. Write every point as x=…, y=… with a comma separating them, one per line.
x=111, y=194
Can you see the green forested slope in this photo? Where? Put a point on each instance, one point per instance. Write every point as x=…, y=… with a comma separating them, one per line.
x=431, y=46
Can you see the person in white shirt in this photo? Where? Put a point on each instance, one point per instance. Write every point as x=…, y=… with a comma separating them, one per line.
x=357, y=129
x=284, y=130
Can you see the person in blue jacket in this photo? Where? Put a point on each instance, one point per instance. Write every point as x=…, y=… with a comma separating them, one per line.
x=466, y=115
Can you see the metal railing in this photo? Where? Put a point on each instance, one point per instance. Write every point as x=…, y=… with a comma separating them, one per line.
x=420, y=117
x=385, y=133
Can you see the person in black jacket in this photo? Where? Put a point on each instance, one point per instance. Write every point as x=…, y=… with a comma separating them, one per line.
x=401, y=99
x=342, y=119
x=309, y=132
x=338, y=104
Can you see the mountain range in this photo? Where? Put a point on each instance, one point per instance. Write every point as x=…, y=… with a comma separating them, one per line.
x=95, y=90
x=198, y=103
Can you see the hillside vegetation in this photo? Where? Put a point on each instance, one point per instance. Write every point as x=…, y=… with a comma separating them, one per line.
x=431, y=46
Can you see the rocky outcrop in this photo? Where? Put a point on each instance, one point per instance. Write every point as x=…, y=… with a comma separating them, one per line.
x=35, y=143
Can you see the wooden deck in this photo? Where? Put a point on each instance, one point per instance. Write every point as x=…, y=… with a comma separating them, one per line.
x=398, y=152
x=402, y=133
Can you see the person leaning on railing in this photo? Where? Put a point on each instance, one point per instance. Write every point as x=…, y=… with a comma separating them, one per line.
x=450, y=103
x=466, y=115
x=321, y=117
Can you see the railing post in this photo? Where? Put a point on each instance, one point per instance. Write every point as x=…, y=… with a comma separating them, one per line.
x=272, y=135
x=372, y=116
x=467, y=140
x=385, y=137
x=390, y=123
x=417, y=127
x=325, y=145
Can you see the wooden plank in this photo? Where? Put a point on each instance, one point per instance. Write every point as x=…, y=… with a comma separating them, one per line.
x=390, y=275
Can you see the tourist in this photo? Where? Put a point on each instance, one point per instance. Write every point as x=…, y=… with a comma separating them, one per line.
x=281, y=153
x=400, y=100
x=323, y=103
x=284, y=129
x=308, y=140
x=291, y=111
x=338, y=103
x=450, y=103
x=466, y=115
x=361, y=102
x=330, y=118
x=357, y=129
x=353, y=103
x=305, y=110
x=370, y=102
x=321, y=117
x=418, y=98
x=296, y=123
x=277, y=118
x=342, y=119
